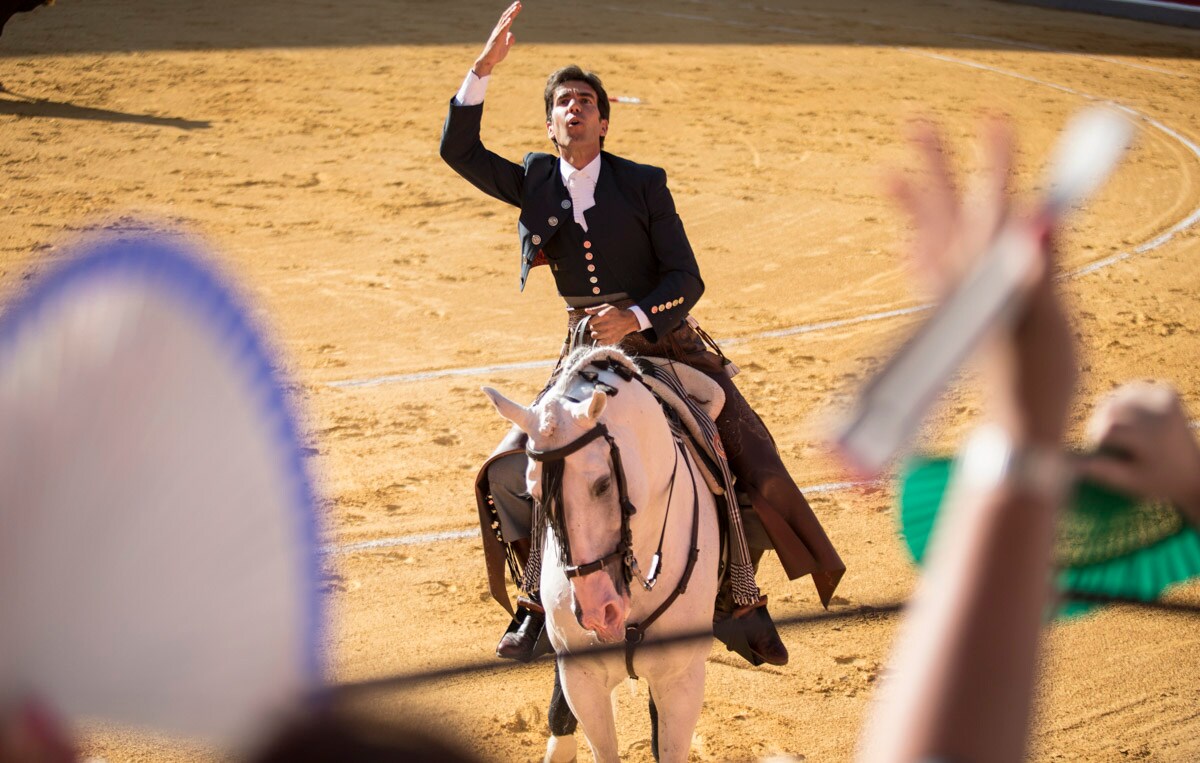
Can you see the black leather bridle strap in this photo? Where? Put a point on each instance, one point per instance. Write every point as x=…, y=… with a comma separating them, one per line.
x=634, y=634
x=627, y=510
x=559, y=454
x=587, y=569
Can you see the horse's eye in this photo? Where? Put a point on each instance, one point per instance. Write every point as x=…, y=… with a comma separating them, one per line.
x=601, y=486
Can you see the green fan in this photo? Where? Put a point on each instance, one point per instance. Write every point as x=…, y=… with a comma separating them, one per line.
x=1109, y=545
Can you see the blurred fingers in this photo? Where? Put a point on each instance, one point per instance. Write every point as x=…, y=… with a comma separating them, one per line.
x=1106, y=433
x=1117, y=474
x=941, y=195
x=1000, y=143
x=993, y=192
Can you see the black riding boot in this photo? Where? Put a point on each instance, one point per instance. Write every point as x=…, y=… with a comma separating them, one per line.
x=521, y=640
x=749, y=630
x=525, y=637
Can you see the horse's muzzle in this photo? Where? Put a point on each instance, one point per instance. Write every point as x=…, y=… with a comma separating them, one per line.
x=599, y=608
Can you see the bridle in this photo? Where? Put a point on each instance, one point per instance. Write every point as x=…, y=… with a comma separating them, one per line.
x=552, y=510
x=552, y=496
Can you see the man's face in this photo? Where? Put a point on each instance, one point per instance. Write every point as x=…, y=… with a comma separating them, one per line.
x=574, y=116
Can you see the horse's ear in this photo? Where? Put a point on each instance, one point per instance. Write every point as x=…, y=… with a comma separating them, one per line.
x=518, y=414
x=593, y=407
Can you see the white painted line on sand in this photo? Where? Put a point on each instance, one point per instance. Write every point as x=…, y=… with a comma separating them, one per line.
x=403, y=540
x=811, y=327
x=473, y=532
x=427, y=375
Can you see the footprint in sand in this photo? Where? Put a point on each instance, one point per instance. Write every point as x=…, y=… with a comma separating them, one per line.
x=439, y=587
x=340, y=584
x=525, y=718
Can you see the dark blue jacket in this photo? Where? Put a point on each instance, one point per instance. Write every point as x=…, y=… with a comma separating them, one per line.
x=634, y=235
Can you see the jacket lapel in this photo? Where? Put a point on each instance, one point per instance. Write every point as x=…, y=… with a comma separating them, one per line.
x=605, y=195
x=545, y=203
x=542, y=202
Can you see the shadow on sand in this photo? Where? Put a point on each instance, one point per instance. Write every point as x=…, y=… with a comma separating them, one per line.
x=154, y=25
x=28, y=107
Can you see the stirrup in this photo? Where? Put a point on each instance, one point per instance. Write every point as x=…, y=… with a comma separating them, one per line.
x=733, y=636
x=533, y=605
x=747, y=609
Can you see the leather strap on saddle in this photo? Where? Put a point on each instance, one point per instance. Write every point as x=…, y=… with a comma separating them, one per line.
x=705, y=393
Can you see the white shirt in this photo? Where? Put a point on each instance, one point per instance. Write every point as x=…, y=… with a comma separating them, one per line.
x=580, y=183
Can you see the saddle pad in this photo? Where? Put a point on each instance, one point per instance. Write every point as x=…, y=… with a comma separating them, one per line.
x=159, y=565
x=704, y=392
x=700, y=388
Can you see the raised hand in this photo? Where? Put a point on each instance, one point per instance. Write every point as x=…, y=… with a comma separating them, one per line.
x=948, y=230
x=1030, y=370
x=499, y=43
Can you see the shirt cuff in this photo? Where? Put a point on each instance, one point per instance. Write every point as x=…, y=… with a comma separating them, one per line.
x=643, y=321
x=473, y=89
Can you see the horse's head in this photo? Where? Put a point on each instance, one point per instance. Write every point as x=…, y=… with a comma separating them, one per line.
x=572, y=477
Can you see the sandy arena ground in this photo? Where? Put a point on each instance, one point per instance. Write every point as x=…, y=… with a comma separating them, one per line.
x=299, y=139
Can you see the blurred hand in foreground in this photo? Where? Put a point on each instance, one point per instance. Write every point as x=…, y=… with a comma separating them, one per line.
x=965, y=663
x=1030, y=372
x=1144, y=446
x=30, y=733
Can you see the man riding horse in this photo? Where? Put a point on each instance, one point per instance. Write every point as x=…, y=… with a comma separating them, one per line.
x=608, y=229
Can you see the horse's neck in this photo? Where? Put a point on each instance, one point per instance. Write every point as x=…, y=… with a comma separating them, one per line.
x=657, y=473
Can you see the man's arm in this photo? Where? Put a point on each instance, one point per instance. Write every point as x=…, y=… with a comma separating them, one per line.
x=679, y=286
x=965, y=664
x=461, y=146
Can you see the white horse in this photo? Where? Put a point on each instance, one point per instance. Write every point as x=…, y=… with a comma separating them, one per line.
x=608, y=446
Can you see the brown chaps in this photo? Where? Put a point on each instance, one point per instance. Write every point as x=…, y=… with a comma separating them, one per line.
x=793, y=530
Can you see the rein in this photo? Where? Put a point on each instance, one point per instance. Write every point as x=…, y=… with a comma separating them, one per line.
x=553, y=462
x=636, y=633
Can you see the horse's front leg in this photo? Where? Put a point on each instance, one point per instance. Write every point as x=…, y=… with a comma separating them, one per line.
x=560, y=747
x=585, y=683
x=679, y=699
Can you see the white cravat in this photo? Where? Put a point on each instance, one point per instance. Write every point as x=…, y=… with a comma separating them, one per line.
x=581, y=184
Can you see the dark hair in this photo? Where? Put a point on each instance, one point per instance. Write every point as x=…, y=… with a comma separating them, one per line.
x=573, y=72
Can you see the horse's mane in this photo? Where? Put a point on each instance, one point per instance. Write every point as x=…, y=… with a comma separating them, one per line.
x=580, y=359
x=571, y=366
